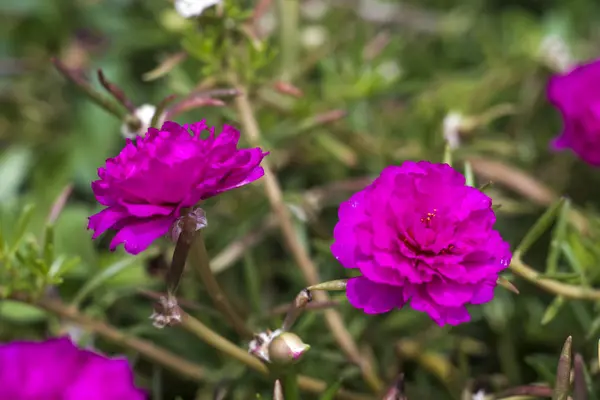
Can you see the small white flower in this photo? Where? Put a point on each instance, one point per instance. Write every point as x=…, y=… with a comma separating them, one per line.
x=193, y=8
x=480, y=395
x=451, y=127
x=144, y=113
x=555, y=52
x=389, y=70
x=314, y=36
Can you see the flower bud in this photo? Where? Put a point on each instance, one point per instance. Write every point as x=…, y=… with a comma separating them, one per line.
x=142, y=117
x=287, y=348
x=166, y=312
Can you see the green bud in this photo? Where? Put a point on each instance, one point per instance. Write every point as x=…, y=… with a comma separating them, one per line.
x=287, y=348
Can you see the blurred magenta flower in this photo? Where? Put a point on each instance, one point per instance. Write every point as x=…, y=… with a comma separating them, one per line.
x=57, y=370
x=577, y=97
x=419, y=233
x=145, y=187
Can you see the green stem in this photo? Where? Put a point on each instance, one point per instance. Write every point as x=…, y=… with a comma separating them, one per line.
x=87, y=89
x=289, y=11
x=199, y=259
x=215, y=340
x=147, y=349
x=568, y=291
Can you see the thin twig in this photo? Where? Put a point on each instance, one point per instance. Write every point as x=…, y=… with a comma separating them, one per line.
x=198, y=256
x=300, y=302
x=147, y=349
x=537, y=391
x=309, y=270
x=524, y=184
x=161, y=110
x=85, y=87
x=171, y=361
x=313, y=200
x=215, y=340
x=521, y=269
x=314, y=305
x=116, y=92
x=59, y=204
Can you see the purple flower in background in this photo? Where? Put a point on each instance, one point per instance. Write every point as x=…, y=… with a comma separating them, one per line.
x=145, y=187
x=57, y=370
x=418, y=233
x=577, y=97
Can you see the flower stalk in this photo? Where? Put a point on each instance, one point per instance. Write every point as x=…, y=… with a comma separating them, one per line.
x=521, y=269
x=307, y=267
x=87, y=89
x=220, y=343
x=200, y=261
x=170, y=360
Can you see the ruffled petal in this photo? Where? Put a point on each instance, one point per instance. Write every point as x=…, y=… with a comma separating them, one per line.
x=105, y=220
x=137, y=234
x=373, y=298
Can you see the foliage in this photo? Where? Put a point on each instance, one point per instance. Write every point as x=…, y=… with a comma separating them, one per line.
x=372, y=84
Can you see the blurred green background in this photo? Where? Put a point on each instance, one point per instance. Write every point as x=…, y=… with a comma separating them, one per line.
x=397, y=70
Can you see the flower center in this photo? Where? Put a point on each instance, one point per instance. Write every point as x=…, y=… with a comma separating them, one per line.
x=428, y=218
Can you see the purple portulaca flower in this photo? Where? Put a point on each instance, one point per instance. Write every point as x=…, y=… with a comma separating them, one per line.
x=57, y=370
x=576, y=95
x=419, y=234
x=145, y=187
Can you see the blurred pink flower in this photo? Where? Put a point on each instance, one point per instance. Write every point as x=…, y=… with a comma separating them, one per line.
x=56, y=369
x=419, y=233
x=145, y=187
x=577, y=97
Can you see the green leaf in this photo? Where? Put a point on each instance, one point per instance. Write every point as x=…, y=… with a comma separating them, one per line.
x=252, y=279
x=447, y=154
x=594, y=329
x=22, y=224
x=49, y=244
x=558, y=237
x=61, y=266
x=331, y=391
x=573, y=260
x=553, y=309
x=469, y=175
x=540, y=226
x=14, y=166
x=542, y=365
x=20, y=312
x=102, y=277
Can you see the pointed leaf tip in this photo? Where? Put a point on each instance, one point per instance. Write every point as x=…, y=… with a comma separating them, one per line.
x=505, y=283
x=278, y=391
x=563, y=372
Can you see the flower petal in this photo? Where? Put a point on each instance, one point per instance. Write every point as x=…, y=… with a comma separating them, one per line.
x=373, y=298
x=105, y=220
x=137, y=234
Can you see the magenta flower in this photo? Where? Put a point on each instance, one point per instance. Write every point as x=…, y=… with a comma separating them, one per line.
x=145, y=187
x=576, y=96
x=57, y=370
x=418, y=233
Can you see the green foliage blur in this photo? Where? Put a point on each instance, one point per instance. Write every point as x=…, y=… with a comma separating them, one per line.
x=396, y=70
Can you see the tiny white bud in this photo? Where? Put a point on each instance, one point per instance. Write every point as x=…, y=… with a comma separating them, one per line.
x=193, y=8
x=389, y=70
x=555, y=52
x=314, y=36
x=144, y=114
x=451, y=129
